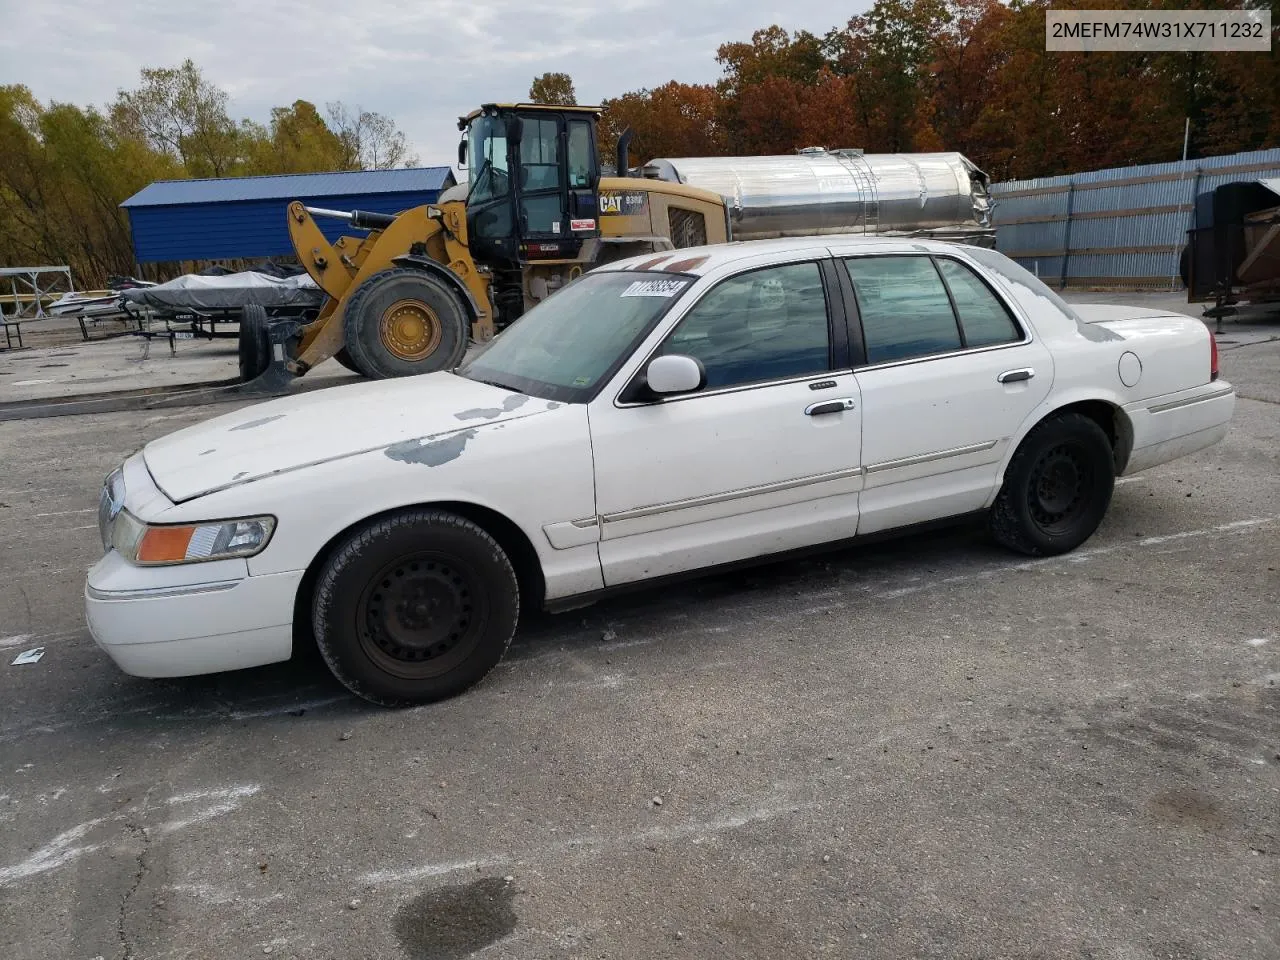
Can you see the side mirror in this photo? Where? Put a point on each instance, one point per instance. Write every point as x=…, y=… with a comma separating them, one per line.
x=462, y=152
x=674, y=373
x=515, y=130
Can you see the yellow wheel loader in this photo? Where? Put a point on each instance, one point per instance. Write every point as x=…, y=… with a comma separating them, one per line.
x=534, y=214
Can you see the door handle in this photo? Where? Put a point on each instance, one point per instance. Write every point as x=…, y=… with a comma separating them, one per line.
x=1015, y=376
x=828, y=406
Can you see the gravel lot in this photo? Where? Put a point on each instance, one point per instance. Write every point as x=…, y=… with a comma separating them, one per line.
x=923, y=748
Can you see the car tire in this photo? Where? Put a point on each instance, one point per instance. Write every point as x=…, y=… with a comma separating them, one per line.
x=415, y=607
x=1056, y=489
x=403, y=322
x=254, y=347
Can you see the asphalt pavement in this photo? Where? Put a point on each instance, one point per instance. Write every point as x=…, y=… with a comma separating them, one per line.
x=923, y=748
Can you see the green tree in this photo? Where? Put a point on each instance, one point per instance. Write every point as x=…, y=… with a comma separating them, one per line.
x=555, y=88
x=297, y=141
x=177, y=111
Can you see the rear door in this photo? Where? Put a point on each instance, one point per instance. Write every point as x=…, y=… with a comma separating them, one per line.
x=947, y=372
x=763, y=459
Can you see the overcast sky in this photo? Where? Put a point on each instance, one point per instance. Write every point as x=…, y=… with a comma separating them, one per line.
x=424, y=62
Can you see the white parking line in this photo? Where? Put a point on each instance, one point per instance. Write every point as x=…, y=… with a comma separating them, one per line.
x=686, y=830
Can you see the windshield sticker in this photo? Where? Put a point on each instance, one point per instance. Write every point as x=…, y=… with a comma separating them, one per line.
x=654, y=288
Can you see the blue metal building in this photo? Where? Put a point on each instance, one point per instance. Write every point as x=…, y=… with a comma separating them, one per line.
x=244, y=217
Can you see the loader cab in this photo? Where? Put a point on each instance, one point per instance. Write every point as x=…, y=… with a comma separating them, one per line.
x=533, y=175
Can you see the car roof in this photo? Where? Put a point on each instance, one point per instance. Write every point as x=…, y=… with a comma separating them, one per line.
x=706, y=259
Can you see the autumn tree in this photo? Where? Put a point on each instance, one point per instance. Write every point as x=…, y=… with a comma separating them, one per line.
x=886, y=52
x=674, y=120
x=762, y=78
x=553, y=88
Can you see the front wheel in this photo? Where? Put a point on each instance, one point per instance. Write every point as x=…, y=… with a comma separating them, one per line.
x=404, y=321
x=1057, y=487
x=416, y=607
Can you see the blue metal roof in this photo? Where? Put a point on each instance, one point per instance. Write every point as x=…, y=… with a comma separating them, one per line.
x=164, y=193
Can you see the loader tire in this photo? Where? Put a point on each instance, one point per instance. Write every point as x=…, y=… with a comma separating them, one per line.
x=255, y=344
x=402, y=322
x=344, y=358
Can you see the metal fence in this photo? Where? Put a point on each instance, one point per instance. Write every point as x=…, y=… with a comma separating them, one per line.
x=1120, y=228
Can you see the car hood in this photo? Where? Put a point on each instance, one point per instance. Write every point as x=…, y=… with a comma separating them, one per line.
x=324, y=425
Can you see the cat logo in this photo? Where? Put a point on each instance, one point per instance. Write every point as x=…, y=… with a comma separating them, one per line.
x=623, y=204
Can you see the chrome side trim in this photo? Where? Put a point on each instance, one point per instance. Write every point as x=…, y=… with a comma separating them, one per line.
x=157, y=593
x=930, y=457
x=1188, y=401
x=720, y=391
x=944, y=356
x=586, y=523
x=742, y=493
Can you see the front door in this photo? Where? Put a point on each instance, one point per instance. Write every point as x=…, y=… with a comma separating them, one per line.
x=763, y=459
x=948, y=378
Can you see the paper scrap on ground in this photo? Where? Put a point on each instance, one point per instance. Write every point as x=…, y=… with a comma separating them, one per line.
x=28, y=656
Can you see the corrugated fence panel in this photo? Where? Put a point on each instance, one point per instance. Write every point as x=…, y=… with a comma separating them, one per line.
x=1119, y=227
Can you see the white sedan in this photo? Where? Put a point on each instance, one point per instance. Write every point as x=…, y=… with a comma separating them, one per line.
x=663, y=415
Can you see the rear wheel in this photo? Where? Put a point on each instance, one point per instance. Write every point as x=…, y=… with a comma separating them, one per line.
x=415, y=608
x=1057, y=488
x=254, y=350
x=403, y=322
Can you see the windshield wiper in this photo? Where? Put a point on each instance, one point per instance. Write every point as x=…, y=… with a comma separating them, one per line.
x=495, y=383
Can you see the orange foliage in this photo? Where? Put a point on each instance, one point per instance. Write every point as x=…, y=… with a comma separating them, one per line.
x=967, y=75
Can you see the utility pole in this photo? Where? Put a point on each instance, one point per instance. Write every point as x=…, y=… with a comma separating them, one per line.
x=1186, y=138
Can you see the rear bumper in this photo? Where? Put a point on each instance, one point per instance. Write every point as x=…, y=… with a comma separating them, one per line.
x=1177, y=424
x=152, y=626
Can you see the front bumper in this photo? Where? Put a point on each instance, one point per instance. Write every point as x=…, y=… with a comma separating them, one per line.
x=189, y=619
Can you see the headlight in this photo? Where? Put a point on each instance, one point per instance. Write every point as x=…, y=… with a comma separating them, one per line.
x=155, y=545
x=110, y=501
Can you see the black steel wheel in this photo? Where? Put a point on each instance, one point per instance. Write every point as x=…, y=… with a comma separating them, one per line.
x=1057, y=487
x=254, y=349
x=415, y=607
x=404, y=321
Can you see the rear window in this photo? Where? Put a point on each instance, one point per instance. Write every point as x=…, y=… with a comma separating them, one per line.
x=904, y=308
x=983, y=318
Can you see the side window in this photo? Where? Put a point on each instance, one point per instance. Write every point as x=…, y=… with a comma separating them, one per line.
x=579, y=154
x=768, y=324
x=984, y=319
x=539, y=155
x=904, y=308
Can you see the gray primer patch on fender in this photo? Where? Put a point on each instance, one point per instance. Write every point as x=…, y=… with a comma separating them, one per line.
x=433, y=452
x=257, y=423
x=512, y=402
x=552, y=405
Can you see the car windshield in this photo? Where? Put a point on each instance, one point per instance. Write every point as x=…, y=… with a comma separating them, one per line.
x=567, y=346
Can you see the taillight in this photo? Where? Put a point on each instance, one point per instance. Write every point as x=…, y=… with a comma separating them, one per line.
x=1213, y=357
